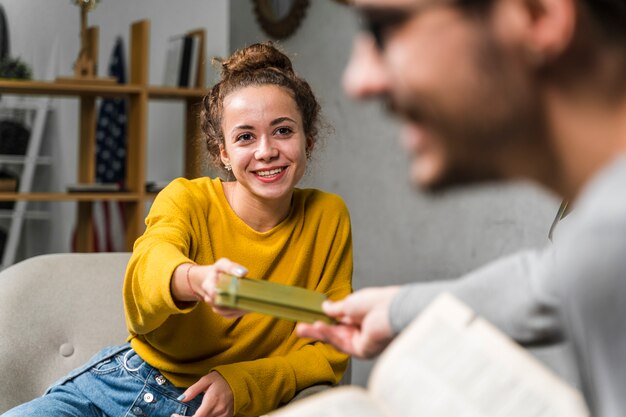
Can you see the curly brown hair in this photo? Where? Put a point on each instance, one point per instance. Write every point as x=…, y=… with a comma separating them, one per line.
x=255, y=65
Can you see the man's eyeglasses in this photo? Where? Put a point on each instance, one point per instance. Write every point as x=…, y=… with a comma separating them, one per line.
x=381, y=22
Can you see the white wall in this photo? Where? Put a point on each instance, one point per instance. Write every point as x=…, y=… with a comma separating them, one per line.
x=399, y=235
x=35, y=25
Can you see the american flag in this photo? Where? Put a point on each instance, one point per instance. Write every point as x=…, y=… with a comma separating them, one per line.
x=111, y=136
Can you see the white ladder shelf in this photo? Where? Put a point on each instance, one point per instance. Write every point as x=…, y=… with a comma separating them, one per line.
x=29, y=161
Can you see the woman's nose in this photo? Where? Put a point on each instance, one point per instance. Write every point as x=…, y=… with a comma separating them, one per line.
x=266, y=151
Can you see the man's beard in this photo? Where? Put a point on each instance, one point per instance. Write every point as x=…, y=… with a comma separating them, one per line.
x=500, y=123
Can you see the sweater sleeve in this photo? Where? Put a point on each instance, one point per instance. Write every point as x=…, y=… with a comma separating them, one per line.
x=165, y=244
x=262, y=385
x=517, y=294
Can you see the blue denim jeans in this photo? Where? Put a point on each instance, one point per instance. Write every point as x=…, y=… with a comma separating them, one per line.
x=115, y=382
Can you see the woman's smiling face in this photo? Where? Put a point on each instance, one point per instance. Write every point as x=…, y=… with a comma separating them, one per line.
x=264, y=141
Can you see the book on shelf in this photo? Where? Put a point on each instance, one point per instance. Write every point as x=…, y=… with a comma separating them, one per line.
x=278, y=300
x=194, y=64
x=449, y=363
x=156, y=186
x=93, y=188
x=175, y=45
x=185, y=62
x=182, y=60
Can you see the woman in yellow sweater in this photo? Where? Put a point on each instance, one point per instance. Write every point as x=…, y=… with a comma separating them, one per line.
x=186, y=356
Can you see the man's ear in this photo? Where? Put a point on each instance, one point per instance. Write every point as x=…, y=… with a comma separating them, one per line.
x=545, y=28
x=554, y=23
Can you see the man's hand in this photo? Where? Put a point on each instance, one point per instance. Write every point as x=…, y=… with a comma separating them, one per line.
x=218, y=398
x=363, y=329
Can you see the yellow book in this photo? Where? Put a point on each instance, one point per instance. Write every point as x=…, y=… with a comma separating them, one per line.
x=278, y=300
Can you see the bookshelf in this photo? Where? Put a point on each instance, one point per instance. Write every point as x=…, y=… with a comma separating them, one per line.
x=139, y=93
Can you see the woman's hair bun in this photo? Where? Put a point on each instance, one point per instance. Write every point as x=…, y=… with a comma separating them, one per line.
x=255, y=57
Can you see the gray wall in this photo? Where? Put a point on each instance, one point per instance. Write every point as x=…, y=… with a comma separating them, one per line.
x=399, y=235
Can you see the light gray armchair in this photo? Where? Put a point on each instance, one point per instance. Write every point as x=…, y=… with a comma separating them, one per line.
x=56, y=311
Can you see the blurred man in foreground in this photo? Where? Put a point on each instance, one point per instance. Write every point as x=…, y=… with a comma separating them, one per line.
x=502, y=90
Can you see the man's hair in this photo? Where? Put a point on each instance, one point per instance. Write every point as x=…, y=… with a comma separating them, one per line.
x=609, y=18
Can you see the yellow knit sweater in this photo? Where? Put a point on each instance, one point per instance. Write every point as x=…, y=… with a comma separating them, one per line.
x=263, y=360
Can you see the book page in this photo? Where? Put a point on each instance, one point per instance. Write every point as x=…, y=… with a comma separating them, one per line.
x=449, y=362
x=336, y=402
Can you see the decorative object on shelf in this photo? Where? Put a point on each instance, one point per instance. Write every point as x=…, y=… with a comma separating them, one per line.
x=14, y=68
x=85, y=67
x=4, y=35
x=10, y=67
x=9, y=182
x=112, y=126
x=111, y=151
x=280, y=18
x=14, y=136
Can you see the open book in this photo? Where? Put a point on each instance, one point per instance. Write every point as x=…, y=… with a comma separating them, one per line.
x=278, y=300
x=449, y=363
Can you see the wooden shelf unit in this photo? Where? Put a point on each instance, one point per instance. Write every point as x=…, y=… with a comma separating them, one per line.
x=138, y=93
x=81, y=196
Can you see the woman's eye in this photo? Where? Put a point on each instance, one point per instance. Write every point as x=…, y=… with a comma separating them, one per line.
x=283, y=131
x=244, y=137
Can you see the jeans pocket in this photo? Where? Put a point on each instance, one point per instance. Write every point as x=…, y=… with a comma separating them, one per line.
x=106, y=366
x=155, y=403
x=106, y=354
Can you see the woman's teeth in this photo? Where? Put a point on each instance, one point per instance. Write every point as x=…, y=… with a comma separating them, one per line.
x=270, y=172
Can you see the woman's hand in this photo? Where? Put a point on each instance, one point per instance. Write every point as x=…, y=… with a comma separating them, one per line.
x=199, y=282
x=218, y=398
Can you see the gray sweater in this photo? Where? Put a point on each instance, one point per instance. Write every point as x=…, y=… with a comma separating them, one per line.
x=573, y=290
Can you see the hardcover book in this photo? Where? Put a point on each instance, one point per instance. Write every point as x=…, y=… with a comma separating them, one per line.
x=173, y=60
x=278, y=300
x=93, y=187
x=183, y=75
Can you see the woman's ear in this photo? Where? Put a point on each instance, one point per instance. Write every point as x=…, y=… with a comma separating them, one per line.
x=224, y=155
